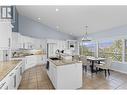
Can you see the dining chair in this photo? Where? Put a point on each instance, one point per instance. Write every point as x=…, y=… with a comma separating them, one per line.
x=84, y=62
x=106, y=66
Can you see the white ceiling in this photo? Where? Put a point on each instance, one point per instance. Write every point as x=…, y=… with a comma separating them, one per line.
x=72, y=19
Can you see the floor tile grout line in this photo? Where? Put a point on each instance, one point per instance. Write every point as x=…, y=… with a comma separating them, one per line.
x=40, y=69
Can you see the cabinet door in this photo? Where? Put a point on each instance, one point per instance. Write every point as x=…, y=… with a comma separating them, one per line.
x=4, y=86
x=31, y=61
x=18, y=77
x=15, y=41
x=44, y=59
x=5, y=37
x=4, y=83
x=23, y=64
x=11, y=80
x=39, y=59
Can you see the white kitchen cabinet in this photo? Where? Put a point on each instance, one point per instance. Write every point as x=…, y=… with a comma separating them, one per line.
x=68, y=76
x=52, y=73
x=37, y=43
x=12, y=80
x=34, y=60
x=44, y=59
x=27, y=42
x=23, y=67
x=40, y=59
x=15, y=40
x=5, y=34
x=30, y=61
x=14, y=77
x=52, y=47
x=4, y=84
x=23, y=41
x=18, y=77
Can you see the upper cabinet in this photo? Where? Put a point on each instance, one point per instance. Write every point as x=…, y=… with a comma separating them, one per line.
x=7, y=18
x=73, y=47
x=5, y=34
x=15, y=40
x=27, y=42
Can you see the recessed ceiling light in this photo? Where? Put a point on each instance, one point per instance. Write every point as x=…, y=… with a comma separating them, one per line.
x=38, y=18
x=71, y=33
x=57, y=9
x=57, y=27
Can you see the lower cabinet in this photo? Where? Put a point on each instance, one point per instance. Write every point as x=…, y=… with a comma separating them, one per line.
x=34, y=60
x=4, y=84
x=18, y=72
x=44, y=59
x=52, y=73
x=13, y=79
x=41, y=59
x=30, y=61
x=17, y=77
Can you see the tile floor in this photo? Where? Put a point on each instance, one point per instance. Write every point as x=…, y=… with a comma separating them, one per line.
x=36, y=78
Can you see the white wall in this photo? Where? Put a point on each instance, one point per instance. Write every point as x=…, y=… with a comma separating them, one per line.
x=120, y=67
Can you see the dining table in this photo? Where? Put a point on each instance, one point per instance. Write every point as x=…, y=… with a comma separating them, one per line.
x=94, y=60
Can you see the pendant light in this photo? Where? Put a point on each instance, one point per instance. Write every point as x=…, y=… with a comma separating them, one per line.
x=85, y=37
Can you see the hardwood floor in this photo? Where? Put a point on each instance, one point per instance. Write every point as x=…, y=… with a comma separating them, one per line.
x=37, y=78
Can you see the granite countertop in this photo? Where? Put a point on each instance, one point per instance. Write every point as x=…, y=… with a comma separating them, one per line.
x=63, y=62
x=6, y=67
x=26, y=55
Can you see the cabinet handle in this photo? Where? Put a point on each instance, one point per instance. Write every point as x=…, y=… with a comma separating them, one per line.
x=2, y=85
x=16, y=68
x=14, y=81
x=11, y=74
x=21, y=71
x=6, y=88
x=9, y=42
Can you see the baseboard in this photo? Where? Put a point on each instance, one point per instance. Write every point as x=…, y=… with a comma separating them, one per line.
x=119, y=71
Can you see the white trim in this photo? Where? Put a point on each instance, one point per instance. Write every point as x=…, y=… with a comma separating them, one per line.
x=97, y=49
x=123, y=50
x=119, y=71
x=119, y=62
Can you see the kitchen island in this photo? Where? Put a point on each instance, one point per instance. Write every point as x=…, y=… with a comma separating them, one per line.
x=65, y=74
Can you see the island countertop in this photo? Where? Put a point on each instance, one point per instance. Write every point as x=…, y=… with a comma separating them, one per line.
x=7, y=66
x=63, y=62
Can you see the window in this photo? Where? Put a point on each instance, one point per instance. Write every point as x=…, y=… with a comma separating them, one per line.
x=88, y=48
x=6, y=12
x=111, y=49
x=125, y=50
